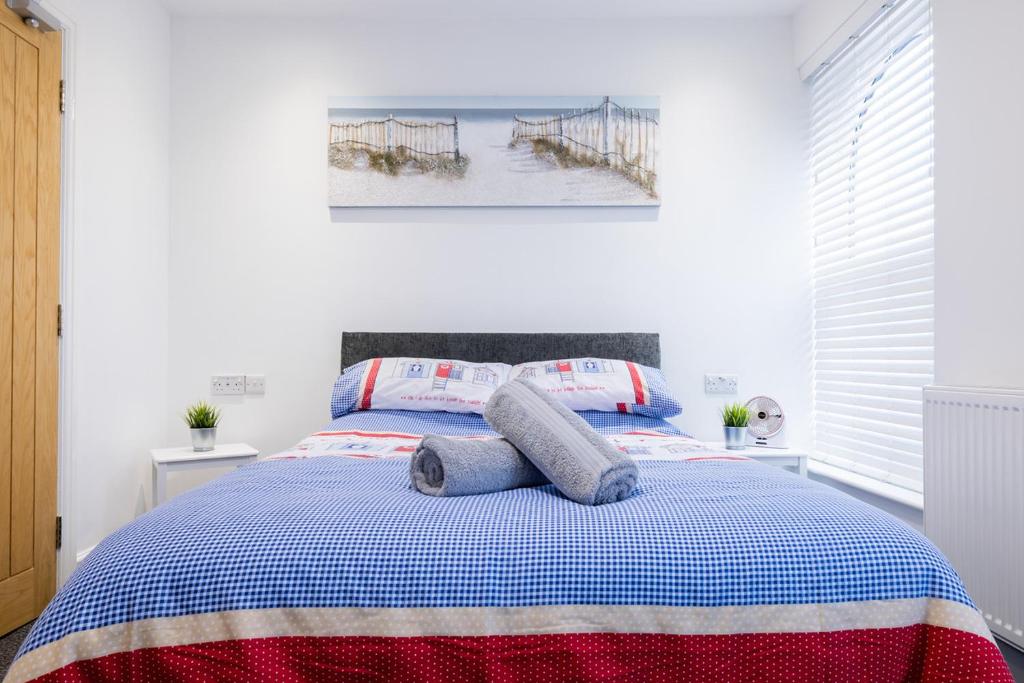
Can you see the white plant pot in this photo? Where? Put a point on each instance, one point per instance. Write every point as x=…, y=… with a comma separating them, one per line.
x=735, y=438
x=204, y=439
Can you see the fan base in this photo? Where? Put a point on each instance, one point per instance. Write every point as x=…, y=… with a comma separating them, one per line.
x=773, y=441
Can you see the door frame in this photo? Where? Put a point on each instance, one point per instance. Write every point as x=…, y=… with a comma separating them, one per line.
x=67, y=556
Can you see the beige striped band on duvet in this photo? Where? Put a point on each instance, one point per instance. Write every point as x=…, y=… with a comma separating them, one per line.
x=495, y=621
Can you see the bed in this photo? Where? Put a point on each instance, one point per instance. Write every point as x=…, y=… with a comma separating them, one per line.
x=320, y=563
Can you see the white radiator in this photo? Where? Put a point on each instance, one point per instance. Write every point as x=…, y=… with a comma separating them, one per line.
x=974, y=496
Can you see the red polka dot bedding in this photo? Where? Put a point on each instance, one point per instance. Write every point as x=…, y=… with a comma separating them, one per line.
x=304, y=568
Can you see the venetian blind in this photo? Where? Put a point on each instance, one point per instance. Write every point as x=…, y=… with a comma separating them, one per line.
x=872, y=215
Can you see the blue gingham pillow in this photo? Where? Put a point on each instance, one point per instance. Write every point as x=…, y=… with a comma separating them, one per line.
x=603, y=384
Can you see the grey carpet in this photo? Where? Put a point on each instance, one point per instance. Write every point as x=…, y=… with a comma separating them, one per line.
x=9, y=645
x=1015, y=658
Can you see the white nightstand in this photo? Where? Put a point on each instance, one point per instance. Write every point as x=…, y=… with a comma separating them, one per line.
x=780, y=457
x=177, y=459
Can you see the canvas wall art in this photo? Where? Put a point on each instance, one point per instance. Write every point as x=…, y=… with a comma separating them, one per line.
x=493, y=151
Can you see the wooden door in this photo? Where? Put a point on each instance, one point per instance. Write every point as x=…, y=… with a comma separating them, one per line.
x=29, y=254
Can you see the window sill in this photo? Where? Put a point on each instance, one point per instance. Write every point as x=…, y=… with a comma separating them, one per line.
x=898, y=494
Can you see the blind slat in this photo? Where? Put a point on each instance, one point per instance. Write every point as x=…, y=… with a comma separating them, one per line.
x=904, y=442
x=877, y=366
x=894, y=211
x=893, y=303
x=857, y=283
x=885, y=390
x=897, y=462
x=875, y=122
x=832, y=178
x=840, y=271
x=882, y=294
x=863, y=200
x=913, y=218
x=864, y=465
x=872, y=209
x=900, y=242
x=855, y=411
x=903, y=379
x=878, y=402
x=860, y=355
x=893, y=329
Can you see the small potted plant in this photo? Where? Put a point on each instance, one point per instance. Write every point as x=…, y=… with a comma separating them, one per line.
x=202, y=419
x=735, y=418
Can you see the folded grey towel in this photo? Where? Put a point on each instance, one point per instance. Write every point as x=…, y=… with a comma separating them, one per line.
x=581, y=463
x=443, y=466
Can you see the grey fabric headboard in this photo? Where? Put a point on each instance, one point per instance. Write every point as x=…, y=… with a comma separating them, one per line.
x=501, y=347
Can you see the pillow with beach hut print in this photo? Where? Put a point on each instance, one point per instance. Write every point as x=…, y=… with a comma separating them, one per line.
x=423, y=384
x=602, y=384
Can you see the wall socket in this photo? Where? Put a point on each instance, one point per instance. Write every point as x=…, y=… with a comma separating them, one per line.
x=227, y=385
x=721, y=384
x=255, y=384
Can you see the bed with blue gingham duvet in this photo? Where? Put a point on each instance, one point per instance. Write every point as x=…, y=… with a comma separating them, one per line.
x=321, y=564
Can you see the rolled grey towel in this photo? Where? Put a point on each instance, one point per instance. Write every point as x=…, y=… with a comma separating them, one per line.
x=443, y=466
x=581, y=463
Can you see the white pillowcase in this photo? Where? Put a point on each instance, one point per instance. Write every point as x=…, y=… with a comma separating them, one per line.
x=602, y=384
x=422, y=384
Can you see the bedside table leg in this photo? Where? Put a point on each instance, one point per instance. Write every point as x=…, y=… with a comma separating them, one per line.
x=159, y=484
x=802, y=468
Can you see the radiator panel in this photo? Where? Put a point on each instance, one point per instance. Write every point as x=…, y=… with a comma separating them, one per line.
x=974, y=496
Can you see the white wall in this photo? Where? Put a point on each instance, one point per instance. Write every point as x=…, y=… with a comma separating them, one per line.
x=263, y=281
x=979, y=224
x=116, y=298
x=817, y=27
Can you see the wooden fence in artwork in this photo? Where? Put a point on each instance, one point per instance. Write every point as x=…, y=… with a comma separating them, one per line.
x=414, y=139
x=621, y=138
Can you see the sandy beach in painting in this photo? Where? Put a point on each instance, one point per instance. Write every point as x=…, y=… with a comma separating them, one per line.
x=492, y=171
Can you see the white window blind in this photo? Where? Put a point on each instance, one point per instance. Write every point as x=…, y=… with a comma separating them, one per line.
x=872, y=211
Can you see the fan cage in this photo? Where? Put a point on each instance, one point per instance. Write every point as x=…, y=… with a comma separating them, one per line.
x=767, y=418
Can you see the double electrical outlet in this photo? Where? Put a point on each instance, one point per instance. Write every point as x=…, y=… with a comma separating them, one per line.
x=236, y=385
x=721, y=384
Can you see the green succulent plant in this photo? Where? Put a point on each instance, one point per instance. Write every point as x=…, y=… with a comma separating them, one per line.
x=735, y=415
x=202, y=415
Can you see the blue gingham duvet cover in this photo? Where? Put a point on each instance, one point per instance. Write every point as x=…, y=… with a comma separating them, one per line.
x=333, y=568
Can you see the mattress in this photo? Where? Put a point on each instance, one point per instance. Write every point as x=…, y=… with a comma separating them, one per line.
x=321, y=563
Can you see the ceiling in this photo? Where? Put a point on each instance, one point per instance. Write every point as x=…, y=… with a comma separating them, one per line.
x=484, y=8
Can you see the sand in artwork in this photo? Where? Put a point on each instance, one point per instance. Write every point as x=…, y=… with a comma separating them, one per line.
x=509, y=153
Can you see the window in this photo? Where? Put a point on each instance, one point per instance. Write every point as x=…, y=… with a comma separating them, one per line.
x=872, y=218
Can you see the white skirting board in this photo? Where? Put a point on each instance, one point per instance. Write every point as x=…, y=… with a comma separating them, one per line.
x=83, y=553
x=974, y=496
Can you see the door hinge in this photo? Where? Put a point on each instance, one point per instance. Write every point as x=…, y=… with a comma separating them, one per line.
x=63, y=97
x=60, y=530
x=60, y=320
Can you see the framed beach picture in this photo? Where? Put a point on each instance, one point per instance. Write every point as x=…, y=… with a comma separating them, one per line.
x=492, y=151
